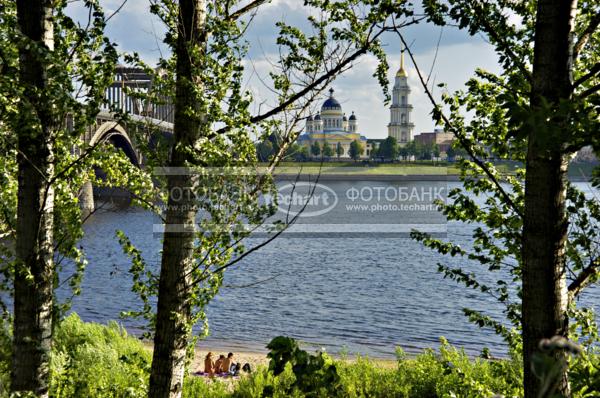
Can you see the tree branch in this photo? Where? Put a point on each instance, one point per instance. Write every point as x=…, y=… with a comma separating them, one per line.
x=590, y=91
x=247, y=8
x=593, y=71
x=585, y=36
x=584, y=278
x=331, y=72
x=116, y=11
x=489, y=29
x=461, y=138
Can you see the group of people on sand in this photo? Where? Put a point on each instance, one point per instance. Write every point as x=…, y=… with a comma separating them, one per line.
x=223, y=365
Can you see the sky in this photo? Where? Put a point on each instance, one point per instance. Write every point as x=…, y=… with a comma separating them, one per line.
x=133, y=28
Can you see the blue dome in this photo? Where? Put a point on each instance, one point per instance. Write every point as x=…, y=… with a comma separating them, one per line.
x=345, y=118
x=309, y=118
x=352, y=117
x=331, y=103
x=318, y=117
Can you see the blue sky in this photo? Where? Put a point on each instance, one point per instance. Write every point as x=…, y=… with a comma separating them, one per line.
x=135, y=29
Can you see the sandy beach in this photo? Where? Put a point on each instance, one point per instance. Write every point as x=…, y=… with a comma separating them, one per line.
x=256, y=359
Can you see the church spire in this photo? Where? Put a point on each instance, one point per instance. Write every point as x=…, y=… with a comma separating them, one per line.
x=401, y=72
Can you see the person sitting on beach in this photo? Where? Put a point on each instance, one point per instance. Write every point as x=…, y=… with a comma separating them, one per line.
x=235, y=368
x=227, y=362
x=219, y=364
x=209, y=365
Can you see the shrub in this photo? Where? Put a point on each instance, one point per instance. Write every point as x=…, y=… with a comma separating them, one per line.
x=194, y=387
x=92, y=360
x=431, y=374
x=364, y=378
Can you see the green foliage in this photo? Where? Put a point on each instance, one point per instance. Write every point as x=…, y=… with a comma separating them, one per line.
x=374, y=153
x=194, y=387
x=388, y=149
x=447, y=373
x=263, y=383
x=315, y=375
x=298, y=153
x=327, y=150
x=144, y=285
x=500, y=117
x=264, y=150
x=80, y=67
x=213, y=134
x=315, y=149
x=422, y=151
x=356, y=150
x=455, y=151
x=584, y=375
x=339, y=150
x=92, y=360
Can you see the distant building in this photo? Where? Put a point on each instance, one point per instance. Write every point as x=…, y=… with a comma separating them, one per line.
x=439, y=137
x=373, y=144
x=401, y=126
x=332, y=126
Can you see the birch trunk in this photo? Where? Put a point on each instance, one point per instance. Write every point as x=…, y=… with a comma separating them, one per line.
x=32, y=327
x=545, y=295
x=173, y=308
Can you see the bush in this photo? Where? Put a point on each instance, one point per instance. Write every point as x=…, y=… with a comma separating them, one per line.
x=445, y=374
x=194, y=387
x=449, y=373
x=92, y=360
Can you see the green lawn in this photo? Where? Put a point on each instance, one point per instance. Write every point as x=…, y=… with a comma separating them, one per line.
x=401, y=169
x=358, y=168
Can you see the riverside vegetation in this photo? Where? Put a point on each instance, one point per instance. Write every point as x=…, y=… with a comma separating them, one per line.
x=539, y=110
x=94, y=360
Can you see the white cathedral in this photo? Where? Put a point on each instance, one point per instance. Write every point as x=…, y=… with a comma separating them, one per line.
x=331, y=125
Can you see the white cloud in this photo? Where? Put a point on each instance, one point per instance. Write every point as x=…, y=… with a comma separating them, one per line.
x=135, y=29
x=455, y=64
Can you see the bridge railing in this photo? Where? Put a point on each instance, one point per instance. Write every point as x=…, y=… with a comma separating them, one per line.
x=131, y=79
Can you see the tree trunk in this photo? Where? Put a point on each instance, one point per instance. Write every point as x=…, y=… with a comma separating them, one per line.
x=545, y=222
x=173, y=309
x=32, y=334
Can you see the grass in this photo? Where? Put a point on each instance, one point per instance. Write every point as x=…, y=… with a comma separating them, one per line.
x=576, y=170
x=445, y=373
x=358, y=168
x=92, y=360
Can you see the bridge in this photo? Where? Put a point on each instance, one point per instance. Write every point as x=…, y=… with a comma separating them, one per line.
x=109, y=129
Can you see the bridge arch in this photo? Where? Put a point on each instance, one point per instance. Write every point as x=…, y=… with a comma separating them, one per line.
x=115, y=134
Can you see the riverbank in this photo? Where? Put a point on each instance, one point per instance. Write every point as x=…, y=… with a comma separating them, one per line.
x=365, y=177
x=414, y=171
x=303, y=176
x=257, y=359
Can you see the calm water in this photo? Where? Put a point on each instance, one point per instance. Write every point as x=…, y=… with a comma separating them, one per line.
x=360, y=292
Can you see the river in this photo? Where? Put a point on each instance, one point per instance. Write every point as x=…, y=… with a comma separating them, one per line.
x=347, y=279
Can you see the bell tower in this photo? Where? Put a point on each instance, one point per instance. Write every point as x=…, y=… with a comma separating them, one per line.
x=401, y=126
